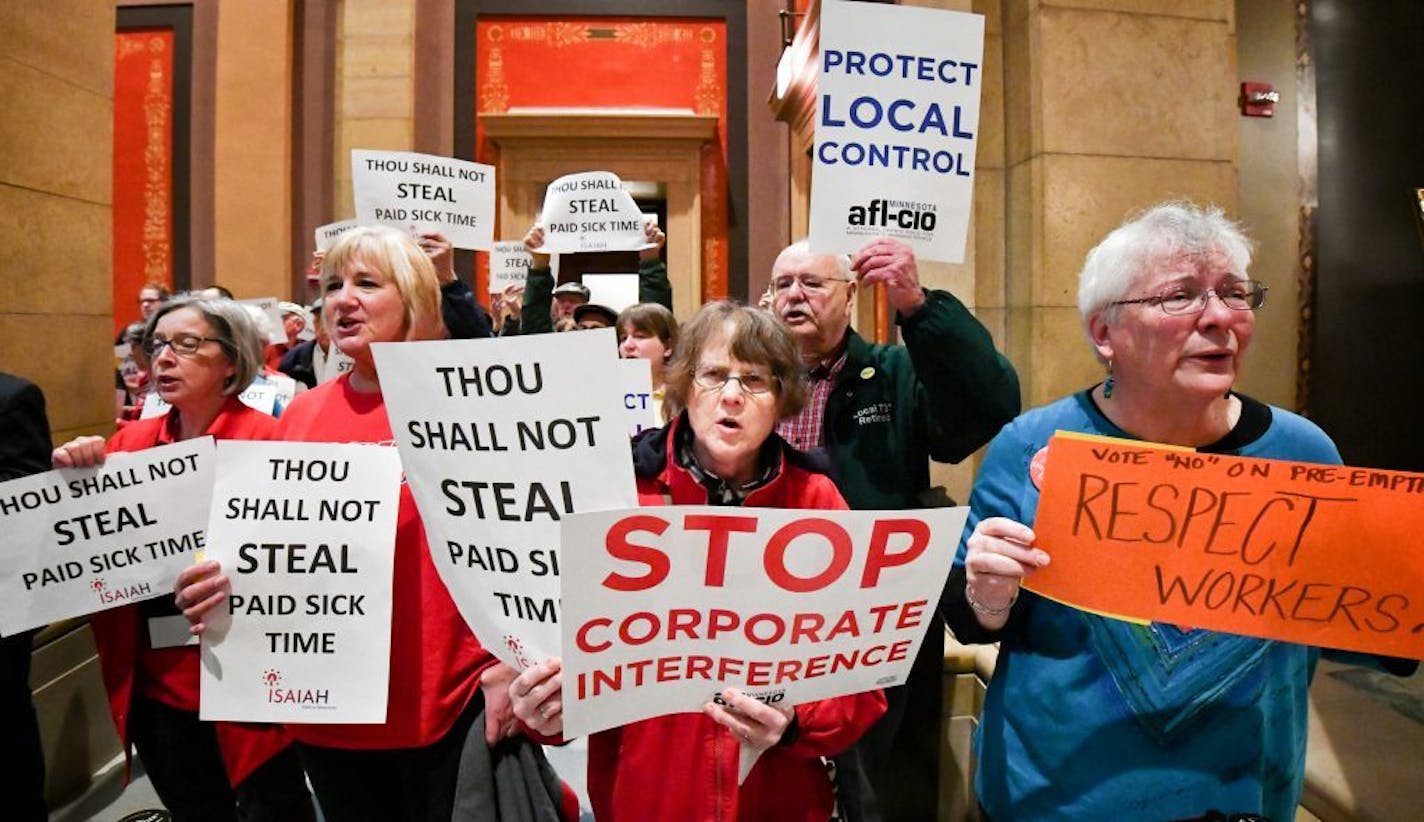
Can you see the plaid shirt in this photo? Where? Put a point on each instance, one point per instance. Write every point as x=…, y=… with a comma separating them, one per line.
x=806, y=430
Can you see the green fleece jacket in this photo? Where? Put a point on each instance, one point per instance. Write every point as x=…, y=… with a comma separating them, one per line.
x=941, y=395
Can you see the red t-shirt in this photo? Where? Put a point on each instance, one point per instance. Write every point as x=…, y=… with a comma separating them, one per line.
x=170, y=675
x=435, y=660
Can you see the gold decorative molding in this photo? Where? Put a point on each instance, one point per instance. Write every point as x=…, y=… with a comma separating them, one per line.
x=659, y=124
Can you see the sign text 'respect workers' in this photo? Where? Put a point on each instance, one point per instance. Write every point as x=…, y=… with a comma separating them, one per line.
x=305, y=532
x=1265, y=548
x=80, y=540
x=501, y=439
x=896, y=119
x=666, y=606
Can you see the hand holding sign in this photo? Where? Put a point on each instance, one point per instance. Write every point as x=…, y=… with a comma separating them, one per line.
x=537, y=696
x=590, y=212
x=999, y=556
x=891, y=263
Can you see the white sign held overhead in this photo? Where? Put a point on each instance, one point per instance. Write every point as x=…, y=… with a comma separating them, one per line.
x=306, y=534
x=509, y=264
x=502, y=439
x=406, y=190
x=590, y=211
x=327, y=235
x=896, y=121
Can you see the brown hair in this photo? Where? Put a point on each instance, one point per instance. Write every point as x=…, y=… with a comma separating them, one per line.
x=651, y=318
x=754, y=337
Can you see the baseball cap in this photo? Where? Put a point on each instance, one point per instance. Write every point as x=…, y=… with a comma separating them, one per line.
x=572, y=288
x=594, y=309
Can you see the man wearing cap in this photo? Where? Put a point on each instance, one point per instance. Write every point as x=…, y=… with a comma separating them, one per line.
x=294, y=319
x=882, y=412
x=547, y=308
x=593, y=315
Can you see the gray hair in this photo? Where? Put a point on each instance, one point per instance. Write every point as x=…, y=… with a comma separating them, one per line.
x=803, y=246
x=1165, y=230
x=232, y=327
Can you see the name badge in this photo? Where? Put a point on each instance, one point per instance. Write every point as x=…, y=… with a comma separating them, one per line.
x=169, y=632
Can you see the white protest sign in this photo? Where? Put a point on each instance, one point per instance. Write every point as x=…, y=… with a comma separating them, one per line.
x=331, y=364
x=895, y=127
x=616, y=291
x=403, y=189
x=590, y=211
x=260, y=396
x=306, y=533
x=640, y=409
x=272, y=329
x=80, y=540
x=501, y=439
x=665, y=607
x=509, y=264
x=327, y=235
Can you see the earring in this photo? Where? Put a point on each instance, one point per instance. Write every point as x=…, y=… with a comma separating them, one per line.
x=1109, y=383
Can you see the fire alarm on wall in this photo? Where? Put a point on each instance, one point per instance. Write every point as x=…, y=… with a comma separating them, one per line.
x=1259, y=99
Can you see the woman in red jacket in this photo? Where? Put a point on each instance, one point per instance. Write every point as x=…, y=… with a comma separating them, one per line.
x=203, y=354
x=736, y=372
x=378, y=286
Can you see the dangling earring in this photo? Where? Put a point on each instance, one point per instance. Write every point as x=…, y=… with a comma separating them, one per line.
x=1109, y=383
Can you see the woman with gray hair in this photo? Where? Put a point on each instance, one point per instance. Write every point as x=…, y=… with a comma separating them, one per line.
x=1088, y=717
x=735, y=373
x=203, y=354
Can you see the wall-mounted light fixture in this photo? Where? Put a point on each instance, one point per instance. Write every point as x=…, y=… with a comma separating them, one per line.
x=784, y=69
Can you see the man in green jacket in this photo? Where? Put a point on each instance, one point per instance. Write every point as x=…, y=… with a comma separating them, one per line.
x=882, y=412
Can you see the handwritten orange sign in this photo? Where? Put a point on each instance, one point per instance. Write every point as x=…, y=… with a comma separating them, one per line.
x=1324, y=555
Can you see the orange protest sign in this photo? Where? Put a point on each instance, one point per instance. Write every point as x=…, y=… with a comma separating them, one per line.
x=1324, y=555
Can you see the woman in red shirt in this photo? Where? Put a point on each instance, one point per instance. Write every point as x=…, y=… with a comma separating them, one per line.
x=203, y=354
x=736, y=372
x=378, y=286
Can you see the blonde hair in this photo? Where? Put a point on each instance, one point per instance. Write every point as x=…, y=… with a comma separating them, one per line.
x=394, y=254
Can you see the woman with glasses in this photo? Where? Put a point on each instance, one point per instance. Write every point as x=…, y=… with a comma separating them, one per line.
x=203, y=354
x=736, y=372
x=378, y=286
x=1088, y=717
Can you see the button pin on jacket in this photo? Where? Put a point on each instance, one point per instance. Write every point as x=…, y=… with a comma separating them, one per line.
x=867, y=372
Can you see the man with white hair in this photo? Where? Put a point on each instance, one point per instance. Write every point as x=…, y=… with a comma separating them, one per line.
x=881, y=412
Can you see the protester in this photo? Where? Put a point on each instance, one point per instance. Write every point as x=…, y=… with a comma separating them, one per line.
x=24, y=450
x=378, y=286
x=648, y=331
x=133, y=374
x=882, y=412
x=547, y=308
x=1089, y=717
x=737, y=372
x=593, y=315
x=203, y=352
x=294, y=321
x=506, y=307
x=150, y=297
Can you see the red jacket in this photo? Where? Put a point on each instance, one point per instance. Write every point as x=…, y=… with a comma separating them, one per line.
x=684, y=766
x=170, y=675
x=436, y=661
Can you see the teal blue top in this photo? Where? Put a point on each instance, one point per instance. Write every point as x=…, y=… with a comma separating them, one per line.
x=1094, y=718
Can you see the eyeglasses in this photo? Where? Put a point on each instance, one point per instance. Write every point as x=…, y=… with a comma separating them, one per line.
x=1242, y=295
x=713, y=378
x=184, y=345
x=810, y=283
